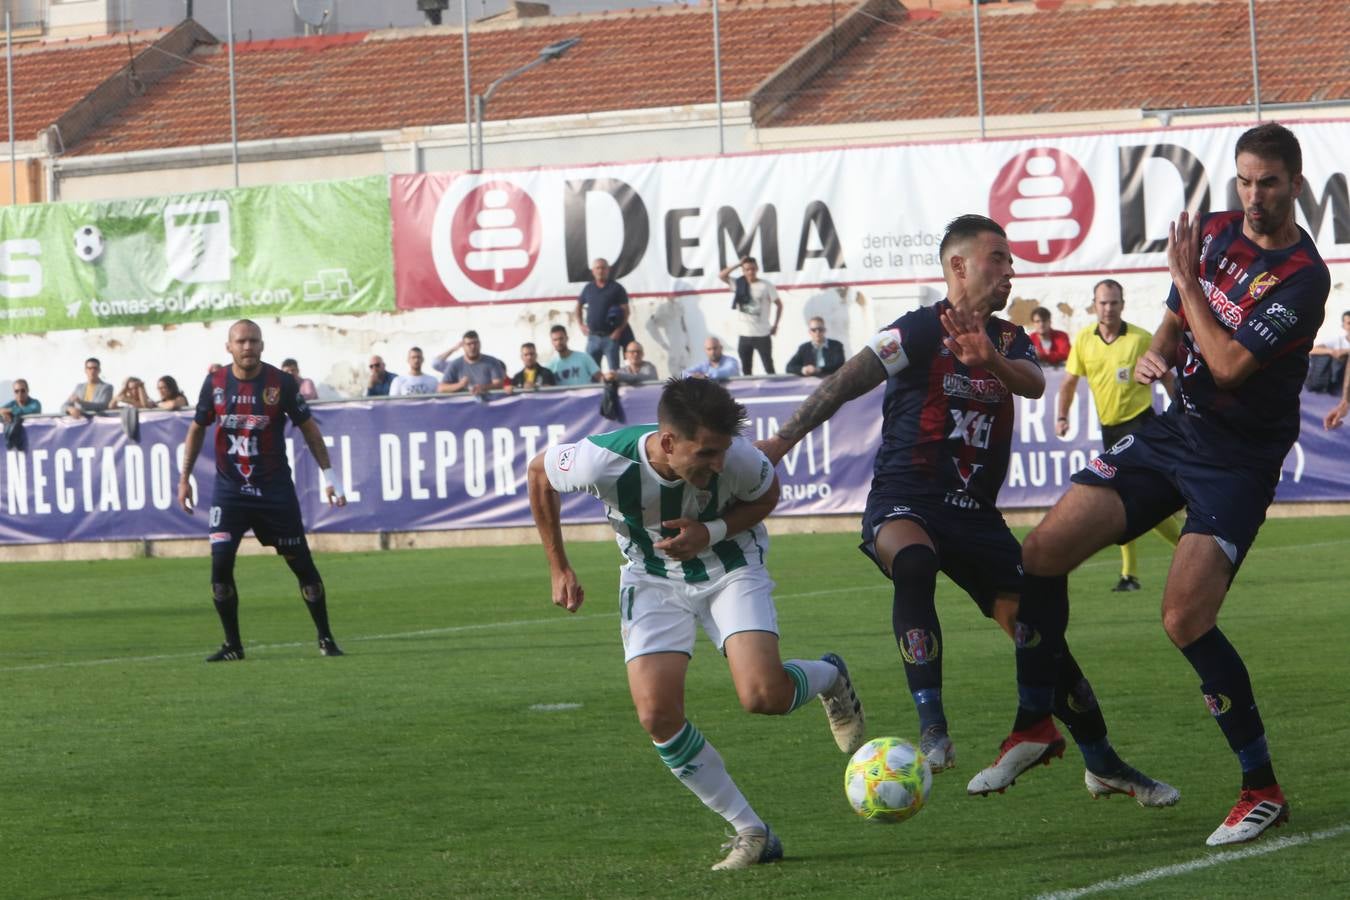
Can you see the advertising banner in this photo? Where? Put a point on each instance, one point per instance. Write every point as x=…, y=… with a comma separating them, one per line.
x=448, y=463
x=850, y=216
x=268, y=251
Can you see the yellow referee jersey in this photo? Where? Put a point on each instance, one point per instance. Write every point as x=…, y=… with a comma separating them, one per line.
x=1109, y=370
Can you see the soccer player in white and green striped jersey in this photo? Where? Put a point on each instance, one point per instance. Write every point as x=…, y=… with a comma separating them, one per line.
x=687, y=498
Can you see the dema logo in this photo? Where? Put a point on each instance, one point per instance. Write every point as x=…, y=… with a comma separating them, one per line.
x=1045, y=201
x=485, y=238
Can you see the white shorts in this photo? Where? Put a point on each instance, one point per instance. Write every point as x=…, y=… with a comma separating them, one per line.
x=659, y=615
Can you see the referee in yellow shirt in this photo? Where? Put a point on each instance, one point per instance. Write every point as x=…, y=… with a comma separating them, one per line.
x=1106, y=354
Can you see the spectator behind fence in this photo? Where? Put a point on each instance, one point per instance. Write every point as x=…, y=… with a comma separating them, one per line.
x=381, y=379
x=475, y=371
x=602, y=315
x=22, y=404
x=307, y=389
x=170, y=397
x=533, y=376
x=1051, y=346
x=132, y=395
x=751, y=302
x=819, y=356
x=635, y=369
x=718, y=366
x=571, y=367
x=416, y=382
x=93, y=395
x=1327, y=359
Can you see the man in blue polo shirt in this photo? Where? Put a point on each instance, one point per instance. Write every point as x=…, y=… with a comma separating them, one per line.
x=602, y=312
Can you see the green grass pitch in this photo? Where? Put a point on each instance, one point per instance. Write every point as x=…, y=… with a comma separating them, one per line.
x=478, y=742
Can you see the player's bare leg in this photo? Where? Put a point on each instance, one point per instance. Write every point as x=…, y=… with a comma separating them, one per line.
x=1085, y=520
x=1196, y=587
x=656, y=682
x=767, y=686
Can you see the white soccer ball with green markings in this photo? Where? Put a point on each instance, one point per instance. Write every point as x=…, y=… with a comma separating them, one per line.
x=887, y=780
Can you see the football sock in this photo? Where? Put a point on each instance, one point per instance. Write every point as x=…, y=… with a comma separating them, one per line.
x=1128, y=561
x=810, y=677
x=1228, y=694
x=1169, y=529
x=226, y=599
x=1076, y=706
x=918, y=634
x=1042, y=618
x=699, y=767
x=316, y=602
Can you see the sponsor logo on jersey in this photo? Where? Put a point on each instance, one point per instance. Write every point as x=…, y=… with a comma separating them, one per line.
x=1281, y=313
x=1218, y=704
x=565, y=457
x=986, y=390
x=218, y=396
x=245, y=399
x=245, y=421
x=1102, y=468
x=271, y=395
x=1262, y=283
x=919, y=647
x=1229, y=313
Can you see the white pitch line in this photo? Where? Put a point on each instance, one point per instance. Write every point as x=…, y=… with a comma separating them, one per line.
x=1204, y=862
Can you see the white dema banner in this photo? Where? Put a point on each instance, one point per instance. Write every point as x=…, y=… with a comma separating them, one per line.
x=1071, y=205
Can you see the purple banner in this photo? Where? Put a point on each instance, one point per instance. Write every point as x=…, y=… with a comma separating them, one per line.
x=452, y=462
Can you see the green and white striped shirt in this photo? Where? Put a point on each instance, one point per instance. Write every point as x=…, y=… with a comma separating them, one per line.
x=614, y=467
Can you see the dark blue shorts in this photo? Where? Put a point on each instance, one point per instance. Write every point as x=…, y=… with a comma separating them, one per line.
x=275, y=521
x=1165, y=466
x=974, y=547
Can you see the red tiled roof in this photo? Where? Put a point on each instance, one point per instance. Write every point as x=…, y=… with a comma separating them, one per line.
x=385, y=80
x=52, y=76
x=1064, y=57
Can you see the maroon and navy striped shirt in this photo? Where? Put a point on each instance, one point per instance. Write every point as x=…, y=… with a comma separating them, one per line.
x=946, y=423
x=250, y=440
x=1272, y=302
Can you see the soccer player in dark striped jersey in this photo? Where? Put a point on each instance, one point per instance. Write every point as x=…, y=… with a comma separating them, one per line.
x=687, y=497
x=1248, y=294
x=250, y=401
x=951, y=371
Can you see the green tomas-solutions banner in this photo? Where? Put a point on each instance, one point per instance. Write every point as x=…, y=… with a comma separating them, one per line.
x=322, y=247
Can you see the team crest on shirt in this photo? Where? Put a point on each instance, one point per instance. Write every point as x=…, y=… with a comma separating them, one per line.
x=1262, y=283
x=1004, y=343
x=271, y=395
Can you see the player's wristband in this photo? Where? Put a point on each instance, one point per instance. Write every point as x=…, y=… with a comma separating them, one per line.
x=330, y=481
x=717, y=531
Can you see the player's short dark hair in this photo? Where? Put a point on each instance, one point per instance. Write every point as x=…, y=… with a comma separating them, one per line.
x=289, y=361
x=1111, y=283
x=529, y=344
x=470, y=334
x=965, y=227
x=94, y=360
x=688, y=404
x=1041, y=312
x=416, y=350
x=1271, y=140
x=557, y=328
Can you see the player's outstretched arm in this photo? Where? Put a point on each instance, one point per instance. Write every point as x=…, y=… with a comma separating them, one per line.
x=332, y=489
x=192, y=448
x=858, y=376
x=546, y=507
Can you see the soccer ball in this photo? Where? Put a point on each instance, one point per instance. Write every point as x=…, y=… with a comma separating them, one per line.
x=88, y=243
x=887, y=780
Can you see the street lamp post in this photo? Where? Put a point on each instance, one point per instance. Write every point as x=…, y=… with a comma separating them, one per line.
x=547, y=55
